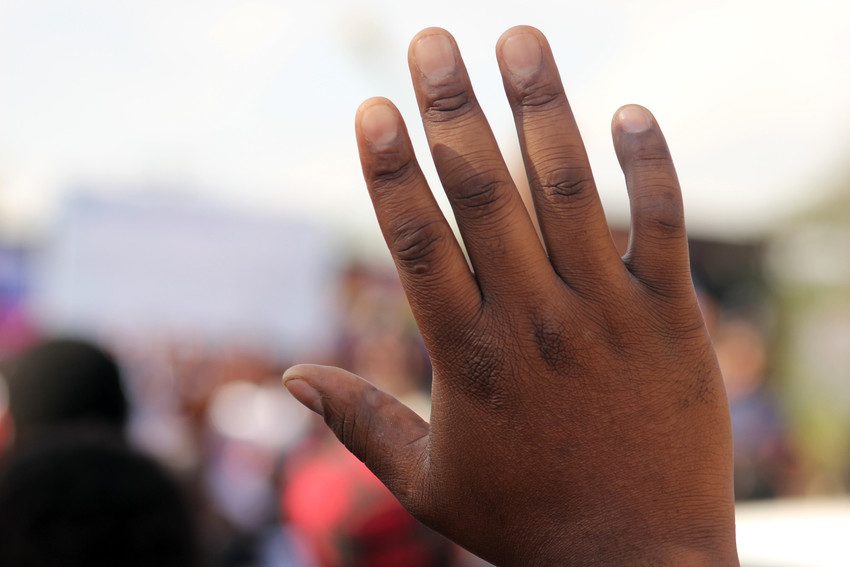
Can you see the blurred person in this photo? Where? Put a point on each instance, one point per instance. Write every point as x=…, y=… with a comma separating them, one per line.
x=86, y=500
x=69, y=413
x=208, y=410
x=578, y=411
x=764, y=457
x=347, y=518
x=251, y=427
x=65, y=382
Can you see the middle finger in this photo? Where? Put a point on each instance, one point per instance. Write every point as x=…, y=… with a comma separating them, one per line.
x=503, y=246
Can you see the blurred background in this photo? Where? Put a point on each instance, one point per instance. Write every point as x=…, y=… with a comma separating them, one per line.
x=179, y=184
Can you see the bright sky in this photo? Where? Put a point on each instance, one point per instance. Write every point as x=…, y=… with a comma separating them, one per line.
x=251, y=102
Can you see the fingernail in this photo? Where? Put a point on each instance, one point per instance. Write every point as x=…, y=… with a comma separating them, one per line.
x=634, y=119
x=435, y=56
x=379, y=124
x=305, y=393
x=522, y=54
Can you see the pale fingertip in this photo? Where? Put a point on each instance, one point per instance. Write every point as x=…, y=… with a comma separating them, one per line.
x=305, y=393
x=422, y=34
x=434, y=54
x=516, y=30
x=297, y=381
x=304, y=371
x=521, y=51
x=633, y=119
x=380, y=123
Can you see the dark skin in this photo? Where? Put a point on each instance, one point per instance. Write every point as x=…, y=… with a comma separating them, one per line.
x=579, y=416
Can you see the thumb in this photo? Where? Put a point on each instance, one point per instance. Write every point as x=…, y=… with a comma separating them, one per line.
x=377, y=428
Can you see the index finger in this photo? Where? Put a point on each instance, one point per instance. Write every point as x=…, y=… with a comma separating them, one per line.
x=436, y=278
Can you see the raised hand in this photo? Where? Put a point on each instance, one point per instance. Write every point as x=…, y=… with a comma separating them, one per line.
x=579, y=416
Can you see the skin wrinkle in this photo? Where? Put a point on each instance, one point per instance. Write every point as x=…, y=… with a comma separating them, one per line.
x=483, y=369
x=496, y=195
x=415, y=247
x=446, y=107
x=570, y=159
x=480, y=194
x=565, y=198
x=389, y=161
x=567, y=188
x=536, y=95
x=552, y=345
x=449, y=99
x=392, y=177
x=578, y=413
x=535, y=91
x=462, y=174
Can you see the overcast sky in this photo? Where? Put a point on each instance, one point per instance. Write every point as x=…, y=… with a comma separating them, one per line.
x=251, y=102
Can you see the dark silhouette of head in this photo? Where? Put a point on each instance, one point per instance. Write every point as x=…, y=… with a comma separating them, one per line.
x=65, y=382
x=87, y=500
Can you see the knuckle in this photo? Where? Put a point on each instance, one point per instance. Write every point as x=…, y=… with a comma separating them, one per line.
x=448, y=102
x=616, y=328
x=651, y=157
x=536, y=95
x=668, y=229
x=478, y=197
x=667, y=290
x=417, y=244
x=480, y=194
x=567, y=185
x=661, y=213
x=671, y=290
x=552, y=343
x=390, y=172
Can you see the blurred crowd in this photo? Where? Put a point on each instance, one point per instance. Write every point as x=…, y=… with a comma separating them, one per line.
x=238, y=474
x=118, y=450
